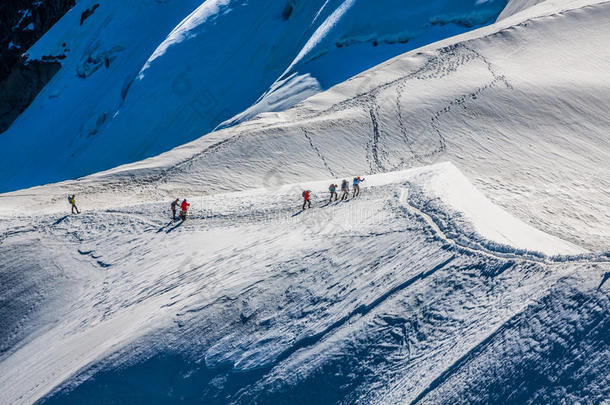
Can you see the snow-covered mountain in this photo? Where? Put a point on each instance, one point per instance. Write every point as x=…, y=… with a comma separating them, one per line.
x=472, y=269
x=140, y=78
x=22, y=23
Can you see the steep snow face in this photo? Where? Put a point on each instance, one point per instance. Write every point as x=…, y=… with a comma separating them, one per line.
x=140, y=79
x=398, y=26
x=103, y=54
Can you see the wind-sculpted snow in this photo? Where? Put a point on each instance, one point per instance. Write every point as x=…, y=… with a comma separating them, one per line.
x=252, y=300
x=533, y=355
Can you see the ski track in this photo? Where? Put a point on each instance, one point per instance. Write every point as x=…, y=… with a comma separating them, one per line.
x=447, y=61
x=317, y=151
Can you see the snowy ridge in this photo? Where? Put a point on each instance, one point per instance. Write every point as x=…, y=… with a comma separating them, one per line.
x=473, y=267
x=470, y=98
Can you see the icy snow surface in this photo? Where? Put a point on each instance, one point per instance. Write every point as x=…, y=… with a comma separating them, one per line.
x=252, y=299
x=473, y=267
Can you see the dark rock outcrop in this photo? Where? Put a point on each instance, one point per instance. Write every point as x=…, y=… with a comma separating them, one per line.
x=20, y=88
x=22, y=23
x=288, y=9
x=87, y=13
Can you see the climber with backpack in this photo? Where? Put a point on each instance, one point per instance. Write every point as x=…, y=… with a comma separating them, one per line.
x=72, y=202
x=174, y=207
x=184, y=207
x=356, y=185
x=306, y=200
x=345, y=190
x=333, y=191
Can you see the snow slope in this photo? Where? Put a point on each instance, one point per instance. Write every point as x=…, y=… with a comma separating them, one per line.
x=513, y=105
x=479, y=279
x=142, y=77
x=251, y=299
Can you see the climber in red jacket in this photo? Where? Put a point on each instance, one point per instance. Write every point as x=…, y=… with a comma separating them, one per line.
x=306, y=200
x=184, y=206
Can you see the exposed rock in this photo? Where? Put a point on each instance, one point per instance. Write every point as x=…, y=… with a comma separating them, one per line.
x=21, y=87
x=288, y=9
x=22, y=23
x=87, y=13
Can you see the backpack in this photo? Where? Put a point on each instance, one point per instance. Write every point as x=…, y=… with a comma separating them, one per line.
x=70, y=199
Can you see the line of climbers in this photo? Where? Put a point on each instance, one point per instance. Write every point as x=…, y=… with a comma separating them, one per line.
x=174, y=206
x=333, y=191
x=306, y=198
